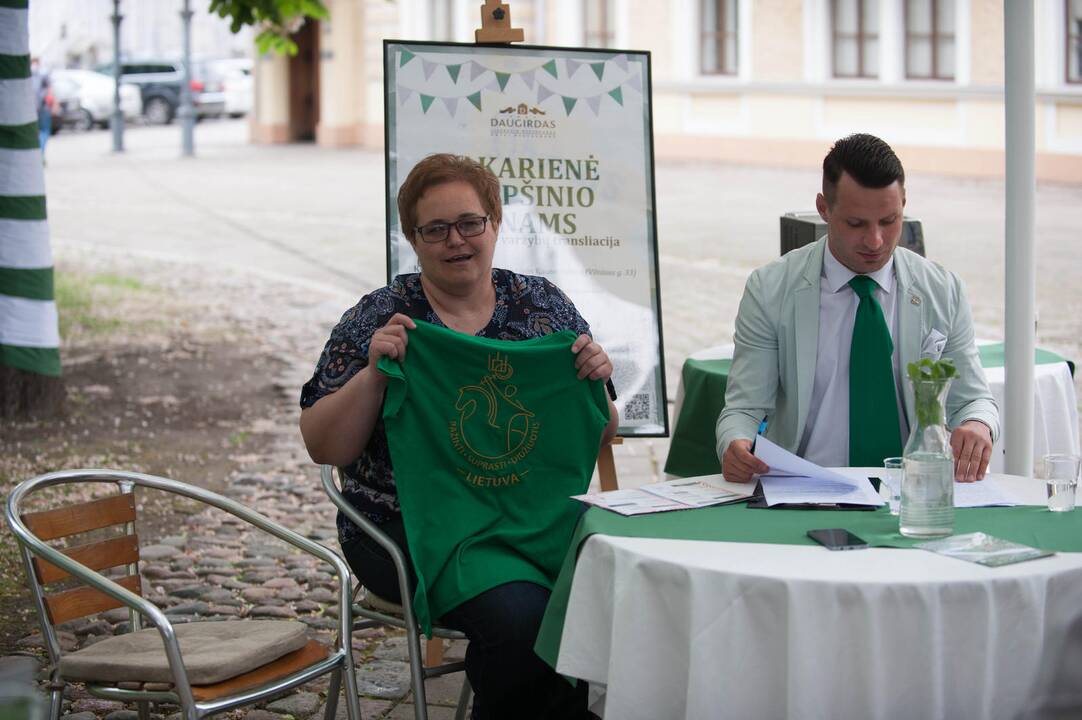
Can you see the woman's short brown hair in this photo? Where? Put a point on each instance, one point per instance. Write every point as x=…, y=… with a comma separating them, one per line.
x=444, y=168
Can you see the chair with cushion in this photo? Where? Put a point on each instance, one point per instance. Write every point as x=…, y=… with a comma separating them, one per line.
x=90, y=550
x=371, y=610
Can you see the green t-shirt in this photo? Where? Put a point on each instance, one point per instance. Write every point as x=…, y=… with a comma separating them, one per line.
x=488, y=440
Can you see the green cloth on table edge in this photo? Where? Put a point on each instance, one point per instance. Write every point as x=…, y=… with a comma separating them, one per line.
x=994, y=355
x=693, y=449
x=1030, y=525
x=694, y=452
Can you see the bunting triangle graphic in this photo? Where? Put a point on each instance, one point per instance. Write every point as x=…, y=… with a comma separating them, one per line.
x=404, y=94
x=528, y=78
x=569, y=104
x=572, y=66
x=494, y=86
x=635, y=81
x=621, y=62
x=429, y=68
x=543, y=93
x=550, y=68
x=477, y=70
x=599, y=69
x=426, y=102
x=594, y=103
x=617, y=95
x=502, y=79
x=404, y=57
x=451, y=103
x=453, y=71
x=475, y=99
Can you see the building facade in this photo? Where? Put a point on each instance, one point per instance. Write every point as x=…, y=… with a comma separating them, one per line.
x=752, y=81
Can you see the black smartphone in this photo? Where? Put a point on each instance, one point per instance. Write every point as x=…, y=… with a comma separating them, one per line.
x=837, y=539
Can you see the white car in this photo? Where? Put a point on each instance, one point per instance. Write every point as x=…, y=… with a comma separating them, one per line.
x=236, y=77
x=86, y=98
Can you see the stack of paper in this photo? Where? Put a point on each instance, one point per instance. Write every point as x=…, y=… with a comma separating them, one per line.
x=794, y=480
x=681, y=494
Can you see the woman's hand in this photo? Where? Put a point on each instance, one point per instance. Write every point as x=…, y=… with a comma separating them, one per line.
x=590, y=359
x=391, y=339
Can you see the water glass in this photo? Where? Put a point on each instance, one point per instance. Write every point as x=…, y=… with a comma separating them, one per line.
x=893, y=472
x=1061, y=476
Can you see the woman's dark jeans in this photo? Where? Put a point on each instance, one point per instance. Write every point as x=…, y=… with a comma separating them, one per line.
x=509, y=680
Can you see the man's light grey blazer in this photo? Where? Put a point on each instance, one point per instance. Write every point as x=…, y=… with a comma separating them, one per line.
x=777, y=338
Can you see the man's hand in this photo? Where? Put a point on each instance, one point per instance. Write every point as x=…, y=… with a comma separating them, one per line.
x=738, y=464
x=972, y=445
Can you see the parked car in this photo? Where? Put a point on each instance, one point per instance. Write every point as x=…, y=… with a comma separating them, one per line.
x=85, y=98
x=236, y=77
x=160, y=83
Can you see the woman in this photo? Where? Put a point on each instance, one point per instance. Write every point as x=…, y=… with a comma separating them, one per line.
x=450, y=210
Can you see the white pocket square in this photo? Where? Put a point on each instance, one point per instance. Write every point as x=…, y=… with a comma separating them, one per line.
x=934, y=344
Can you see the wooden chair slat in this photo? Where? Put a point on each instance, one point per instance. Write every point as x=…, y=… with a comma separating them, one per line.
x=61, y=522
x=96, y=556
x=82, y=601
x=286, y=665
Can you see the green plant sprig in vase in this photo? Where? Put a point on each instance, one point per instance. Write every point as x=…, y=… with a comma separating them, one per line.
x=928, y=378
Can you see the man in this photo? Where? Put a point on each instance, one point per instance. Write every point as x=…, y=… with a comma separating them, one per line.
x=821, y=313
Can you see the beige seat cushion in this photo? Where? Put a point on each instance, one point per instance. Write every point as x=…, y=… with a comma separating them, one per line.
x=212, y=652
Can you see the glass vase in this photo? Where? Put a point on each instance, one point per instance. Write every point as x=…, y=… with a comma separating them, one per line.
x=928, y=484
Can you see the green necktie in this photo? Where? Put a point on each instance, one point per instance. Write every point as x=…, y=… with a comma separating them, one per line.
x=873, y=406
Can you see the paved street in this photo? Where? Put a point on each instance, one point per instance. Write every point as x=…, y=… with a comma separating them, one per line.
x=283, y=239
x=315, y=217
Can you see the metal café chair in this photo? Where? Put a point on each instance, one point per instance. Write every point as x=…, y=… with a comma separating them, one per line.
x=372, y=611
x=204, y=667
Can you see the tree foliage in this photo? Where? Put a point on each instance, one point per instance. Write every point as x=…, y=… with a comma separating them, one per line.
x=276, y=20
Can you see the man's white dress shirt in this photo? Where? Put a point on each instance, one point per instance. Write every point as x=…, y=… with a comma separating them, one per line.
x=826, y=434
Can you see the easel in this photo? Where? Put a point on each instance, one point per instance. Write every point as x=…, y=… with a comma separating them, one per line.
x=496, y=29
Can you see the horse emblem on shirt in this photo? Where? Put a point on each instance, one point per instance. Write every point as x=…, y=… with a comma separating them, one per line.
x=494, y=429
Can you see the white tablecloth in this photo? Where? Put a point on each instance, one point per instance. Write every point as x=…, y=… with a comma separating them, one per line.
x=689, y=629
x=1055, y=406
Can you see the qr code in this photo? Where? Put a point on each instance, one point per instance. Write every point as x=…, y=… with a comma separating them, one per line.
x=637, y=407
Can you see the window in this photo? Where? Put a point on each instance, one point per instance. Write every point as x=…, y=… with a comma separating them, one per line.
x=856, y=42
x=719, y=32
x=929, y=39
x=597, y=18
x=1074, y=40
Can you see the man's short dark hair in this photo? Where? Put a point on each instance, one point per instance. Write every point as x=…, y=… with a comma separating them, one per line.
x=866, y=159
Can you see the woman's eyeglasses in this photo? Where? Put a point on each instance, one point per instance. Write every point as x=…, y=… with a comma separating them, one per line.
x=438, y=231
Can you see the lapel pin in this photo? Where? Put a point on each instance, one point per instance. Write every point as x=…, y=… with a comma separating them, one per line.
x=914, y=300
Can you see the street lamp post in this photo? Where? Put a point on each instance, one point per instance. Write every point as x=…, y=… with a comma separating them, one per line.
x=118, y=115
x=187, y=112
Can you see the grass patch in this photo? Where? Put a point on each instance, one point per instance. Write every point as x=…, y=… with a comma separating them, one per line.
x=85, y=303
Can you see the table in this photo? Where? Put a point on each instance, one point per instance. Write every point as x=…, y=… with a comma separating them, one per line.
x=700, y=396
x=664, y=627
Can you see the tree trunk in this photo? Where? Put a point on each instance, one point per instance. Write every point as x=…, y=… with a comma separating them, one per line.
x=30, y=396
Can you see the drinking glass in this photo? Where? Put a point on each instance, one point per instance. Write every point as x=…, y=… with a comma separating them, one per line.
x=1061, y=477
x=893, y=472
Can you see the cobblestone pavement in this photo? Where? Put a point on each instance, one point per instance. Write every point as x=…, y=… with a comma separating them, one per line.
x=290, y=236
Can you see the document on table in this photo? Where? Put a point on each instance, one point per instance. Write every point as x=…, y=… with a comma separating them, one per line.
x=986, y=493
x=679, y=494
x=794, y=480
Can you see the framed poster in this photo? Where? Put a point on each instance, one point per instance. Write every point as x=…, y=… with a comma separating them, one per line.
x=569, y=134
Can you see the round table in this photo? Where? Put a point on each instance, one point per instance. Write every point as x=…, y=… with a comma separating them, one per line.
x=669, y=628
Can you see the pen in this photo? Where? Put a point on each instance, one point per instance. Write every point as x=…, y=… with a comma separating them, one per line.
x=760, y=431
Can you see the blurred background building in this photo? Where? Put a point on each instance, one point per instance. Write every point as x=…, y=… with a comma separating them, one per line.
x=753, y=81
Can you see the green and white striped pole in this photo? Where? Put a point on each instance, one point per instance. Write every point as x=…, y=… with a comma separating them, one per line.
x=29, y=335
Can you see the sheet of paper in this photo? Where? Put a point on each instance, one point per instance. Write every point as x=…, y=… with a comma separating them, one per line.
x=693, y=492
x=793, y=479
x=630, y=502
x=986, y=493
x=679, y=494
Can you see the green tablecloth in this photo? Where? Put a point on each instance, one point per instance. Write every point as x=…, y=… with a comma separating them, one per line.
x=692, y=450
x=1030, y=525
